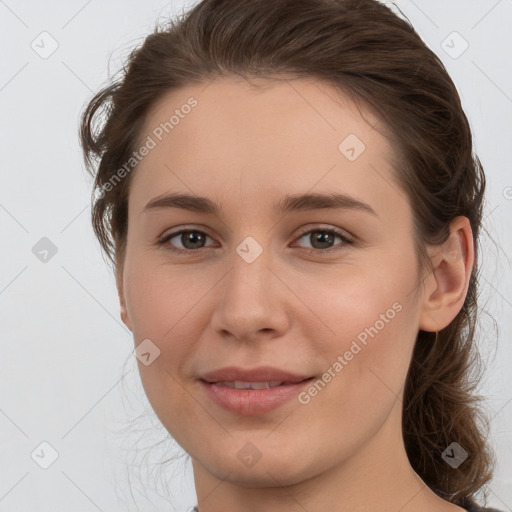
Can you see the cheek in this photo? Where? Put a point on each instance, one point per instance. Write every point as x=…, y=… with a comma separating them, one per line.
x=361, y=301
x=164, y=307
x=372, y=318
x=365, y=367
x=167, y=306
x=161, y=299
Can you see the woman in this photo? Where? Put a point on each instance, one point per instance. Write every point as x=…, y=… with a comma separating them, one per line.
x=288, y=193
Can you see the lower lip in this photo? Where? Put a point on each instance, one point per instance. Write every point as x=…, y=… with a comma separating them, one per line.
x=252, y=402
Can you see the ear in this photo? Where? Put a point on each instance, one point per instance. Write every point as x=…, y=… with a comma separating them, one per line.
x=122, y=301
x=447, y=285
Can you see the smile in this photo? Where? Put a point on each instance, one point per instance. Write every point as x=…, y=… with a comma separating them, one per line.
x=252, y=398
x=237, y=384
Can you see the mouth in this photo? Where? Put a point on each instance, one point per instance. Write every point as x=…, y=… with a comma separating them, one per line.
x=261, y=392
x=237, y=384
x=260, y=374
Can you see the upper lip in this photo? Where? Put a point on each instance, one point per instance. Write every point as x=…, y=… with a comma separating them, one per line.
x=258, y=374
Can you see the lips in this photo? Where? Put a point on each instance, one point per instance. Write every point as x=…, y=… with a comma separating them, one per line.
x=250, y=385
x=259, y=374
x=254, y=391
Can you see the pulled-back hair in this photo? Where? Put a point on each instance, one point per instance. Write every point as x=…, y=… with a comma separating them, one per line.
x=375, y=56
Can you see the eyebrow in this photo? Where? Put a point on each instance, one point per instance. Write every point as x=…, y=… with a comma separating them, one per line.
x=287, y=204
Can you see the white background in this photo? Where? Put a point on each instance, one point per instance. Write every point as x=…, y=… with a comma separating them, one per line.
x=63, y=346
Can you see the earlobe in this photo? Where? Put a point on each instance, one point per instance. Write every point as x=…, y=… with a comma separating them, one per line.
x=124, y=314
x=452, y=265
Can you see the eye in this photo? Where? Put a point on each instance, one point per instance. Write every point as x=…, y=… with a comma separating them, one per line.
x=323, y=238
x=193, y=239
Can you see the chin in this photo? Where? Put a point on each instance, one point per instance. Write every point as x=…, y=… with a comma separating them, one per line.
x=268, y=467
x=260, y=475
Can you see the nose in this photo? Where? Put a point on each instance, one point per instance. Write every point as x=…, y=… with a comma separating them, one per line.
x=252, y=301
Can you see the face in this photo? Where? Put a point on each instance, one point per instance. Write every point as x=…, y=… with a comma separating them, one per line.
x=322, y=290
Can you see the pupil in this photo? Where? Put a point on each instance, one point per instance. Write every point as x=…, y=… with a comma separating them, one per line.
x=192, y=237
x=322, y=238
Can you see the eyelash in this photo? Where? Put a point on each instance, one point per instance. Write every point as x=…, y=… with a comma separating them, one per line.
x=346, y=241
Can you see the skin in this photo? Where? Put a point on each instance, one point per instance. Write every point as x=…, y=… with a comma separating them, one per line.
x=245, y=147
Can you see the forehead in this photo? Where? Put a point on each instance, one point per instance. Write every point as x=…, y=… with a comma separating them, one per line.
x=264, y=136
x=258, y=110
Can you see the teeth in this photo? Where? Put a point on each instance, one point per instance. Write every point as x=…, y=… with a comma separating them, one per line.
x=263, y=385
x=237, y=384
x=226, y=384
x=241, y=385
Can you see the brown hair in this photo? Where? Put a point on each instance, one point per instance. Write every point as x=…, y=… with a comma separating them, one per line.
x=367, y=51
